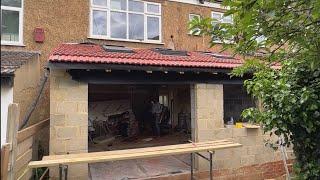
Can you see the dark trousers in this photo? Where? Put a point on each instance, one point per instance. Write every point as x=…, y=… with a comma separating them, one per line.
x=156, y=124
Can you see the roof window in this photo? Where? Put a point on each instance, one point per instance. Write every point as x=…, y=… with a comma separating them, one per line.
x=120, y=49
x=170, y=52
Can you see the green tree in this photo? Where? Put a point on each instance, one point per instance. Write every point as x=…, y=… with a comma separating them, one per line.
x=280, y=40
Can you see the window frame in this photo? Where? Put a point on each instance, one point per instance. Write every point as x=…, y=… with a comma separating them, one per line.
x=189, y=17
x=21, y=16
x=221, y=21
x=221, y=16
x=127, y=11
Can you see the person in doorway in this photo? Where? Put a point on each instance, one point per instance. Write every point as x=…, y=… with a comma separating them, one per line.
x=156, y=113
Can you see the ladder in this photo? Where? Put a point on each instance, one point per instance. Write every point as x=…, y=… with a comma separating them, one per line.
x=284, y=156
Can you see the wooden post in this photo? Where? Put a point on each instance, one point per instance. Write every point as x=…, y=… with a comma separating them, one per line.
x=13, y=127
x=5, y=150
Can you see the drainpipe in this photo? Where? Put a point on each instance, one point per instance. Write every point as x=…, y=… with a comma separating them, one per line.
x=36, y=100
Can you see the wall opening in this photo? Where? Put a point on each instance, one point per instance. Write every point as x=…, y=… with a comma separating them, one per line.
x=236, y=99
x=123, y=117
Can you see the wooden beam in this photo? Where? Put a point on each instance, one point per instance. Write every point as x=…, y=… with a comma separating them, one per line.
x=13, y=126
x=29, y=131
x=108, y=156
x=5, y=151
x=139, y=150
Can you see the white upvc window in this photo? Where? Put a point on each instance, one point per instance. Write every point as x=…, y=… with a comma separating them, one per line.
x=219, y=18
x=131, y=20
x=11, y=22
x=191, y=17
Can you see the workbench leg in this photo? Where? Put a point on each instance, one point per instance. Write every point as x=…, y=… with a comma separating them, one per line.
x=191, y=165
x=211, y=174
x=60, y=172
x=66, y=172
x=63, y=171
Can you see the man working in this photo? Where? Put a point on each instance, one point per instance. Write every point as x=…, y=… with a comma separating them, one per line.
x=156, y=113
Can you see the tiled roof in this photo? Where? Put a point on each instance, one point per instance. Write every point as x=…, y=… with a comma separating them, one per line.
x=93, y=53
x=12, y=60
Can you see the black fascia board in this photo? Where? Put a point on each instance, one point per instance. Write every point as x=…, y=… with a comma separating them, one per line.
x=91, y=66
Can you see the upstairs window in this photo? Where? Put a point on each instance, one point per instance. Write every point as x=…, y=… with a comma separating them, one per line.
x=192, y=17
x=133, y=20
x=218, y=17
x=11, y=22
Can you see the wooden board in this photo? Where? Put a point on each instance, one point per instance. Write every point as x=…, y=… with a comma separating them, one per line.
x=24, y=146
x=5, y=151
x=23, y=160
x=137, y=150
x=29, y=131
x=136, y=154
x=251, y=126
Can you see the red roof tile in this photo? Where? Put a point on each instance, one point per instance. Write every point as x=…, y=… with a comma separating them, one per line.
x=92, y=53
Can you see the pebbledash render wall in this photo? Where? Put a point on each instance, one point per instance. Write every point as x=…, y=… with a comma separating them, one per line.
x=68, y=120
x=69, y=127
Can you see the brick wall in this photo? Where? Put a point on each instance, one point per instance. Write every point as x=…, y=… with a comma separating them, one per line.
x=68, y=120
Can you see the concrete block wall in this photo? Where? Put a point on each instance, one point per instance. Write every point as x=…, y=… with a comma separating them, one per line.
x=206, y=109
x=207, y=117
x=68, y=120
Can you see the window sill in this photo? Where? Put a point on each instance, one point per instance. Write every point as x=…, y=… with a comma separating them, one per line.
x=244, y=125
x=194, y=35
x=126, y=40
x=12, y=44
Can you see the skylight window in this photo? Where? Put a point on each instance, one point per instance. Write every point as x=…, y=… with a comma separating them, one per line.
x=171, y=52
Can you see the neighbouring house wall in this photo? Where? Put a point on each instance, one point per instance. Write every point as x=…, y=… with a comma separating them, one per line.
x=6, y=99
x=254, y=156
x=68, y=120
x=26, y=87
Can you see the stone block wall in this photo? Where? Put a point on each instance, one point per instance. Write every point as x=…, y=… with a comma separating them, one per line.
x=68, y=120
x=207, y=108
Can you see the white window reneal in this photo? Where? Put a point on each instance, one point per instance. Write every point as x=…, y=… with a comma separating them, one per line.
x=191, y=17
x=132, y=20
x=11, y=22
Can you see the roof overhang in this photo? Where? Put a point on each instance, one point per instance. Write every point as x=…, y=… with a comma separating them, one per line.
x=89, y=66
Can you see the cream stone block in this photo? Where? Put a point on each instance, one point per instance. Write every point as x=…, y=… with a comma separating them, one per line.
x=57, y=119
x=222, y=133
x=77, y=171
x=239, y=132
x=253, y=150
x=247, y=160
x=248, y=140
x=67, y=82
x=76, y=119
x=224, y=154
x=57, y=147
x=58, y=95
x=67, y=132
x=66, y=107
x=205, y=135
x=53, y=107
x=82, y=107
x=58, y=73
x=76, y=144
x=83, y=131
